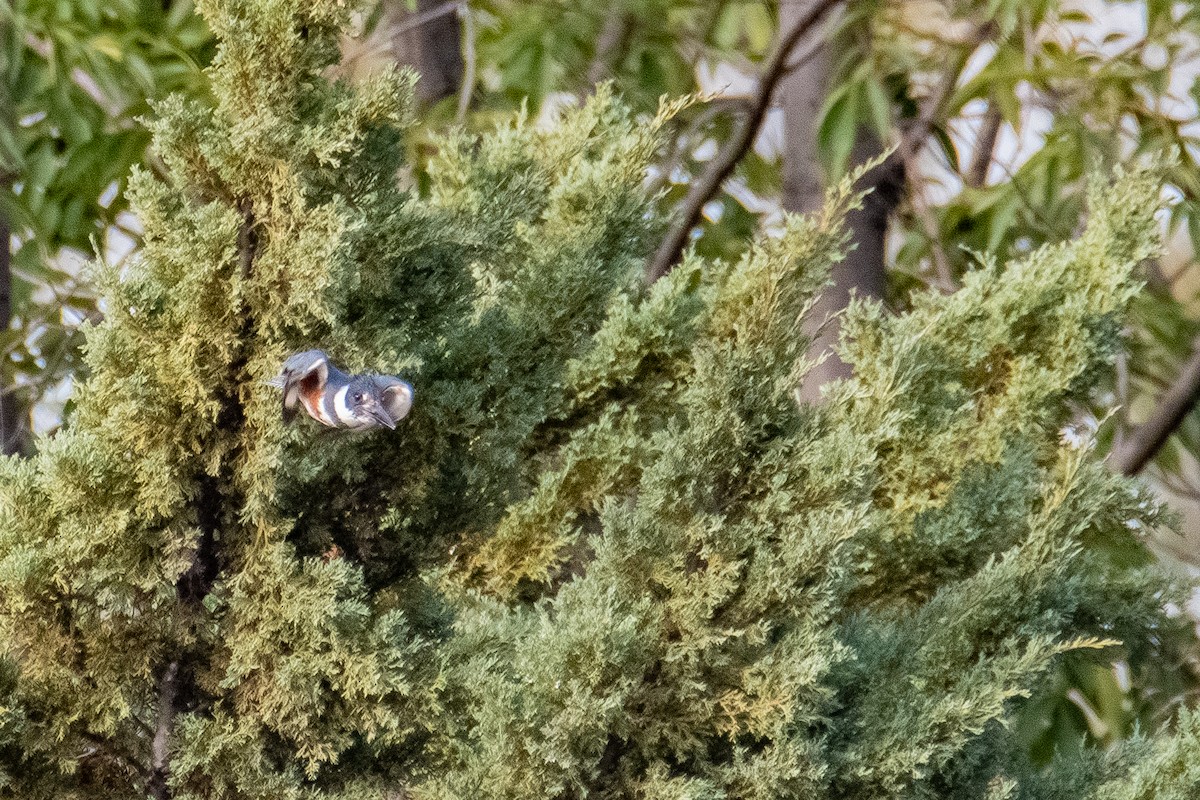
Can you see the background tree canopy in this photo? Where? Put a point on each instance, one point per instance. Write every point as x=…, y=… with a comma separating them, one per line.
x=609, y=554
x=77, y=76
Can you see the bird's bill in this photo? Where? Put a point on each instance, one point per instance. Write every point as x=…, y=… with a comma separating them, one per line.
x=380, y=415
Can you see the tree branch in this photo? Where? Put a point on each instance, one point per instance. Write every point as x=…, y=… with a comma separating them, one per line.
x=689, y=136
x=609, y=45
x=863, y=271
x=934, y=106
x=1143, y=444
x=216, y=500
x=102, y=746
x=709, y=182
x=424, y=17
x=929, y=111
x=943, y=279
x=985, y=146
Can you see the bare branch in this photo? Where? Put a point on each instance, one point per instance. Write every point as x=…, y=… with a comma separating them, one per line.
x=985, y=146
x=863, y=272
x=1142, y=445
x=417, y=20
x=931, y=109
x=944, y=278
x=933, y=106
x=686, y=141
x=609, y=45
x=10, y=415
x=708, y=183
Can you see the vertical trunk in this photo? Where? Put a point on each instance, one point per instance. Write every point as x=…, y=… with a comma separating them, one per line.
x=862, y=273
x=802, y=93
x=160, y=773
x=428, y=40
x=12, y=425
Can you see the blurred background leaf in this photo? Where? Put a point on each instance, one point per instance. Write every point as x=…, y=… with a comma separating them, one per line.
x=77, y=76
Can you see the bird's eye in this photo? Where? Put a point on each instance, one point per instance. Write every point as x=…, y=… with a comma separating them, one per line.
x=358, y=397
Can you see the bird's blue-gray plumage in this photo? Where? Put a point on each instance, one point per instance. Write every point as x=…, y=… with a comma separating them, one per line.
x=333, y=398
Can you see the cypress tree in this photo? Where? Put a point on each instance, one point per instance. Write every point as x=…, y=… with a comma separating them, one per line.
x=608, y=554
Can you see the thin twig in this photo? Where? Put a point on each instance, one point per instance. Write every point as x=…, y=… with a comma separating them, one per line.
x=710, y=181
x=1037, y=218
x=10, y=428
x=934, y=105
x=688, y=140
x=802, y=59
x=1144, y=443
x=60, y=299
x=932, y=108
x=1121, y=369
x=1179, y=485
x=418, y=20
x=946, y=282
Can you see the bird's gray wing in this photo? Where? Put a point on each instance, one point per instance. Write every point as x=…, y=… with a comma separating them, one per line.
x=397, y=395
x=303, y=373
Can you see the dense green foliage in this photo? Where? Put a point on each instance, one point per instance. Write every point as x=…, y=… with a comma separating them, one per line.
x=608, y=554
x=1046, y=92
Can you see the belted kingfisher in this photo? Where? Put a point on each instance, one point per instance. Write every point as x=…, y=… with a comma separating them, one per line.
x=333, y=398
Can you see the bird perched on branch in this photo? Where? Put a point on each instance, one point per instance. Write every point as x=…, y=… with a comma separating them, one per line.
x=333, y=398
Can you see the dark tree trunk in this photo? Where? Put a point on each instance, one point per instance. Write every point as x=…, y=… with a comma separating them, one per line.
x=428, y=40
x=12, y=413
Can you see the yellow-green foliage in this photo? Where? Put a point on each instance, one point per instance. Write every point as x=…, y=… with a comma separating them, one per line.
x=608, y=554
